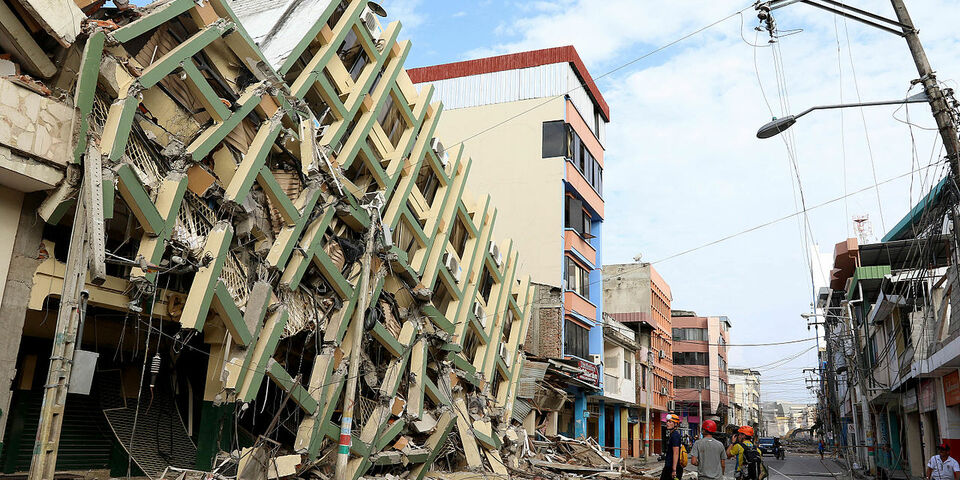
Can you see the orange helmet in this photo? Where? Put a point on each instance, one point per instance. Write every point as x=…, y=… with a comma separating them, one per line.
x=746, y=430
x=673, y=417
x=710, y=426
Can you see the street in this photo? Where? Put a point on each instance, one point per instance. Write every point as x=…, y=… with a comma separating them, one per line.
x=803, y=466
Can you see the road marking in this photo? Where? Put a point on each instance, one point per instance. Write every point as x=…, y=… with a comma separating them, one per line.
x=780, y=473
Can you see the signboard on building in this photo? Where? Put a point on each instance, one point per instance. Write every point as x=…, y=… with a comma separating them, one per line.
x=910, y=400
x=951, y=388
x=927, y=400
x=589, y=372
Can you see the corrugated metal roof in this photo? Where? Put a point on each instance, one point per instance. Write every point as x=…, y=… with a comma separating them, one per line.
x=516, y=61
x=521, y=408
x=530, y=378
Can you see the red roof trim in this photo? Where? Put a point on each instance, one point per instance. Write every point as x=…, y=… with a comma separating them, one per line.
x=513, y=61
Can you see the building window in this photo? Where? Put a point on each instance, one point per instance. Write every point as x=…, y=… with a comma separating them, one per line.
x=405, y=239
x=690, y=334
x=576, y=340
x=723, y=387
x=691, y=382
x=391, y=120
x=428, y=183
x=555, y=139
x=584, y=161
x=722, y=363
x=627, y=370
x=576, y=217
x=690, y=358
x=643, y=377
x=353, y=55
x=486, y=285
x=441, y=298
x=578, y=278
x=458, y=236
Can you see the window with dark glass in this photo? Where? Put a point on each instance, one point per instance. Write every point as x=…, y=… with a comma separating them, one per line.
x=578, y=278
x=353, y=55
x=576, y=340
x=441, y=298
x=391, y=120
x=486, y=285
x=576, y=217
x=555, y=139
x=458, y=236
x=428, y=183
x=690, y=358
x=627, y=370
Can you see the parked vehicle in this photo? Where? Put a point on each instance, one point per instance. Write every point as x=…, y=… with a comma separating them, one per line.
x=765, y=444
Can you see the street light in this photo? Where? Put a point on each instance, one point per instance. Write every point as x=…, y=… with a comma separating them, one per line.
x=778, y=125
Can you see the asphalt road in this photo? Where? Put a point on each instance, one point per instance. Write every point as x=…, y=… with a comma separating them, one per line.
x=804, y=467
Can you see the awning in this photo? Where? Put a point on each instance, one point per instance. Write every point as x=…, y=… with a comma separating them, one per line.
x=904, y=229
x=908, y=254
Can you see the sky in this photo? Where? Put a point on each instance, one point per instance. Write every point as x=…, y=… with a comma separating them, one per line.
x=683, y=165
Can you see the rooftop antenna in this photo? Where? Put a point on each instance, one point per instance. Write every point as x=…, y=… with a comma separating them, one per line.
x=863, y=228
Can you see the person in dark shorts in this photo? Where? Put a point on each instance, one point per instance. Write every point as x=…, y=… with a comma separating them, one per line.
x=671, y=449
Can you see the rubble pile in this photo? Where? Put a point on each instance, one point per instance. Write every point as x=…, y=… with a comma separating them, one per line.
x=224, y=189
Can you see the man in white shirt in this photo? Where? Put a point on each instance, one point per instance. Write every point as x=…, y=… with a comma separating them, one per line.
x=943, y=466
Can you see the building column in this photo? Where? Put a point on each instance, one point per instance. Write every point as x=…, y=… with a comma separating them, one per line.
x=624, y=432
x=914, y=456
x=636, y=437
x=617, y=443
x=215, y=431
x=602, y=425
x=579, y=407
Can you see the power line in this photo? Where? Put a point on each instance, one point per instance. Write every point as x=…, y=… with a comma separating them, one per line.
x=794, y=214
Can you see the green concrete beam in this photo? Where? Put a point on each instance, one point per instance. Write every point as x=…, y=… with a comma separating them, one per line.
x=139, y=201
x=182, y=53
x=86, y=89
x=201, y=292
x=297, y=393
x=154, y=19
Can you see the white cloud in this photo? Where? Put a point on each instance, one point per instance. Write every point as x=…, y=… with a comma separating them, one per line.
x=459, y=14
x=407, y=11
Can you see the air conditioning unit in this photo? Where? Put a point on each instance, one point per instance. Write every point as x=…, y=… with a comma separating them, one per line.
x=453, y=265
x=495, y=253
x=671, y=405
x=663, y=390
x=478, y=312
x=440, y=151
x=662, y=355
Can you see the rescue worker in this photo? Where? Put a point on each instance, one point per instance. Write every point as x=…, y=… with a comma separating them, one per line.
x=745, y=451
x=707, y=453
x=671, y=449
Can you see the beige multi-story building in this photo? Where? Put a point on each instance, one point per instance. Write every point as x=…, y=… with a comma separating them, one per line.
x=553, y=149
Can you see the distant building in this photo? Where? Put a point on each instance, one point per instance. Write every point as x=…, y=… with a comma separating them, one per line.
x=745, y=392
x=700, y=378
x=636, y=295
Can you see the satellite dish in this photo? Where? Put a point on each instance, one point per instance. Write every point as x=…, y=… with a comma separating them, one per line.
x=637, y=257
x=376, y=8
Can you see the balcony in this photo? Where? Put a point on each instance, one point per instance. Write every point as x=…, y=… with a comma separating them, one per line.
x=571, y=240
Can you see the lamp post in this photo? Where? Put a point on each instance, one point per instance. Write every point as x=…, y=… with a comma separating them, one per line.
x=903, y=27
x=778, y=125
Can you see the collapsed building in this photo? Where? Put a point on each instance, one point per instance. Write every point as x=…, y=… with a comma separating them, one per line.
x=198, y=218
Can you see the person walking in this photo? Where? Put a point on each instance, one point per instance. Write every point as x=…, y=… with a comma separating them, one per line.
x=820, y=448
x=749, y=461
x=671, y=469
x=942, y=466
x=707, y=453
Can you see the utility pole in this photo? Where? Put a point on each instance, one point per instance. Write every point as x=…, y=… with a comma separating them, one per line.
x=356, y=337
x=941, y=111
x=700, y=408
x=86, y=237
x=647, y=425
